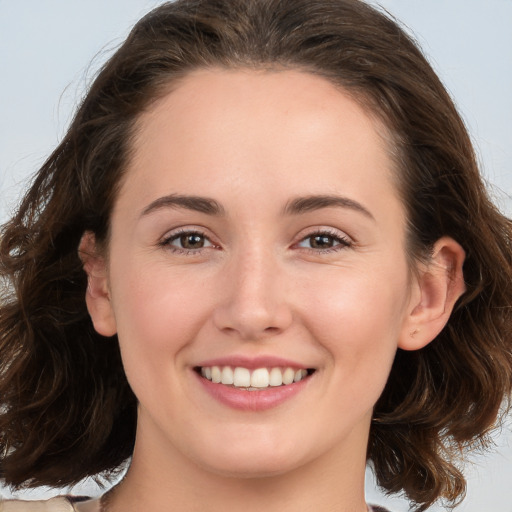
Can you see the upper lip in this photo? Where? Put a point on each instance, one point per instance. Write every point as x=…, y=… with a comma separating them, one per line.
x=252, y=363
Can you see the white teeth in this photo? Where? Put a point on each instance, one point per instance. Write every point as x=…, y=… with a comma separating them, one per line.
x=299, y=375
x=257, y=379
x=275, y=377
x=260, y=378
x=288, y=376
x=227, y=375
x=216, y=374
x=241, y=377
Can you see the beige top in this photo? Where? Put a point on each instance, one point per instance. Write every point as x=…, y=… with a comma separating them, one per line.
x=59, y=504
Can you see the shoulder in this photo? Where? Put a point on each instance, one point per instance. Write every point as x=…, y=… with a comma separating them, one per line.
x=59, y=504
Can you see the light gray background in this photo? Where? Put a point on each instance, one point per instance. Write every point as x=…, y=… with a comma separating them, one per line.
x=50, y=49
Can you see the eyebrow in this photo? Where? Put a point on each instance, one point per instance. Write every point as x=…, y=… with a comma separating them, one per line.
x=194, y=203
x=316, y=202
x=296, y=206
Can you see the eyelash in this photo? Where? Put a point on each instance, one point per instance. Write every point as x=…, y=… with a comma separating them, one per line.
x=341, y=242
x=167, y=241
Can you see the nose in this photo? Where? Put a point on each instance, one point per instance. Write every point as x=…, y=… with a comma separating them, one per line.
x=253, y=301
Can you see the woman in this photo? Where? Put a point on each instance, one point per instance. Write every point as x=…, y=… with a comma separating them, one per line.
x=289, y=263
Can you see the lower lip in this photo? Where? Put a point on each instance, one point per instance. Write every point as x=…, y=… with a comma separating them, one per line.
x=253, y=400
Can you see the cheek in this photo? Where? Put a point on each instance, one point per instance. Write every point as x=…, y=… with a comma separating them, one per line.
x=157, y=314
x=358, y=319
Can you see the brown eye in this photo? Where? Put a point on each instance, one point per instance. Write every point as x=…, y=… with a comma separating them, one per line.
x=187, y=241
x=192, y=241
x=321, y=242
x=324, y=241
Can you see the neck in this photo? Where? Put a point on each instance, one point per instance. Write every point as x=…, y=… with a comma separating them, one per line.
x=333, y=482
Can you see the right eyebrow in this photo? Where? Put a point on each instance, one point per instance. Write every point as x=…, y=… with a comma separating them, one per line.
x=305, y=204
x=194, y=203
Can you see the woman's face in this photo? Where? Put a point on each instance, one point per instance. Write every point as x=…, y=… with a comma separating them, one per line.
x=258, y=235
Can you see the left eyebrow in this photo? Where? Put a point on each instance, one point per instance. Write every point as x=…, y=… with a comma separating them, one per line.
x=316, y=202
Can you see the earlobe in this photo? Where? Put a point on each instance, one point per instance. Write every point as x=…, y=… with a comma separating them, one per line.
x=438, y=286
x=97, y=295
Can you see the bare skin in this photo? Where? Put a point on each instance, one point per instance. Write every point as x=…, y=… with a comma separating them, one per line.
x=259, y=221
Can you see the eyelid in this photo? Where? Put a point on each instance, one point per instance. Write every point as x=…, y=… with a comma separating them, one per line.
x=345, y=241
x=173, y=234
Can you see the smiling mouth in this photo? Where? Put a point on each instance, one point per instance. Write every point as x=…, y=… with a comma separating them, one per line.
x=253, y=380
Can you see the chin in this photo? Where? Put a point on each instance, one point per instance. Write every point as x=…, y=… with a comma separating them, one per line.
x=266, y=469
x=252, y=461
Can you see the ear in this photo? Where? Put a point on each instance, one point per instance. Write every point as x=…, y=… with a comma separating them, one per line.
x=436, y=288
x=97, y=296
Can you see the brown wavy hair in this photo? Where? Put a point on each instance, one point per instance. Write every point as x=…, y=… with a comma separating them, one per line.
x=67, y=411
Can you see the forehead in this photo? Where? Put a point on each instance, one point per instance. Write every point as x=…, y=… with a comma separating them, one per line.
x=259, y=93
x=275, y=130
